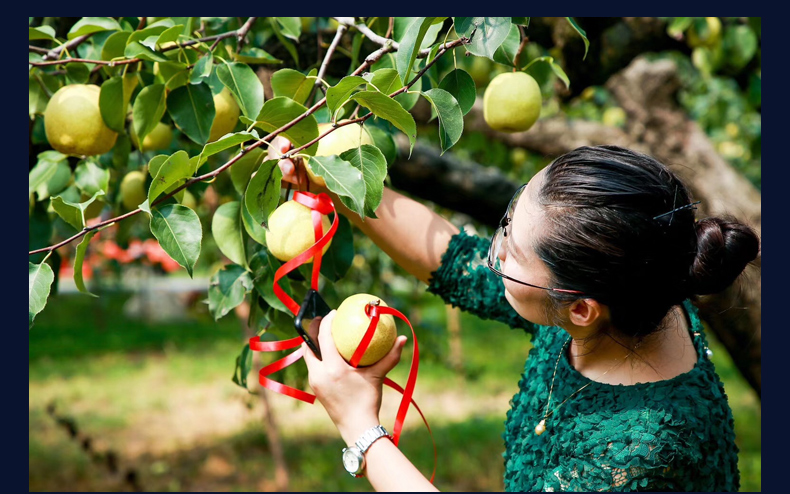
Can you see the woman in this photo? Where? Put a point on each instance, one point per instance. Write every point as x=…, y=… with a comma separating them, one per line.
x=597, y=258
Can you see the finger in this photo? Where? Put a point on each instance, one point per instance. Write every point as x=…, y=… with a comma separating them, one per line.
x=325, y=341
x=281, y=144
x=287, y=167
x=391, y=359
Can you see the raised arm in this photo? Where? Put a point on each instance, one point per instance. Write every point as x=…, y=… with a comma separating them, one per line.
x=409, y=232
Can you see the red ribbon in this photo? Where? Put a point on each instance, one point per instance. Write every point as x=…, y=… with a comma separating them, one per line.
x=319, y=205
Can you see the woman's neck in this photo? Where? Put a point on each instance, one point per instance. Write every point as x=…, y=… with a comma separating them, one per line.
x=613, y=358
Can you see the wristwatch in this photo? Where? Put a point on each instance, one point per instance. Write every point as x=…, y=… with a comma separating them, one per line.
x=354, y=456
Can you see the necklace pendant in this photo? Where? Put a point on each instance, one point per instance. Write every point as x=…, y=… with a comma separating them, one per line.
x=541, y=427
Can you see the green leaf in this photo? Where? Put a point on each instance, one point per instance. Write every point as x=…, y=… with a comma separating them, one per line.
x=263, y=192
x=521, y=21
x=228, y=231
x=506, y=53
x=227, y=289
x=241, y=170
x=340, y=255
x=115, y=45
x=581, y=33
x=37, y=98
x=169, y=35
x=451, y=119
x=192, y=109
x=255, y=55
x=41, y=32
x=73, y=213
x=79, y=255
x=91, y=178
x=279, y=111
x=154, y=30
x=285, y=42
x=78, y=73
x=155, y=164
x=293, y=84
x=56, y=183
x=179, y=233
x=402, y=24
x=39, y=281
x=88, y=25
x=341, y=92
x=223, y=143
x=410, y=45
x=554, y=67
x=291, y=27
x=254, y=230
x=385, y=80
x=371, y=162
x=112, y=104
x=461, y=85
x=740, y=44
x=263, y=265
x=43, y=171
x=342, y=178
x=202, y=69
x=409, y=99
x=384, y=141
x=245, y=86
x=173, y=171
x=486, y=33
x=243, y=364
x=135, y=49
x=388, y=109
x=148, y=109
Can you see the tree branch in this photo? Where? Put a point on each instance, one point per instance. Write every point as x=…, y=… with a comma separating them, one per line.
x=241, y=33
x=380, y=40
x=55, y=52
x=341, y=29
x=369, y=60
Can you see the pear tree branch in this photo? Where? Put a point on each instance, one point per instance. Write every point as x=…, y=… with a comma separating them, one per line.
x=369, y=60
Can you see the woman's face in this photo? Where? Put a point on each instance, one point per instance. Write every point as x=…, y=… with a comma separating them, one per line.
x=518, y=258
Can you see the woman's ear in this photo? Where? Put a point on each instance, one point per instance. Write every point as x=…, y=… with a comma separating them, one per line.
x=587, y=312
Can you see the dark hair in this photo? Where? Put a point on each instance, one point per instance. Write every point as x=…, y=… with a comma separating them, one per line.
x=600, y=237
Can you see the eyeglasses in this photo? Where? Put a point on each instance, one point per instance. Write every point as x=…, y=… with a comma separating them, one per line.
x=499, y=241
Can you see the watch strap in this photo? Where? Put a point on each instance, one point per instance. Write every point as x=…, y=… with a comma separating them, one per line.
x=370, y=436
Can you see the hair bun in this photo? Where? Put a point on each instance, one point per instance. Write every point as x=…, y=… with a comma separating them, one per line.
x=724, y=248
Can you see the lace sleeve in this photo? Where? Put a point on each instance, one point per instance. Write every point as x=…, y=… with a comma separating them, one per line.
x=463, y=280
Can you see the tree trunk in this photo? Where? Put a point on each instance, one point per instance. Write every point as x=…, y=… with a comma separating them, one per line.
x=656, y=126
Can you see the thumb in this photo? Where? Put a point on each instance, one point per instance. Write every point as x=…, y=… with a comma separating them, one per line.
x=391, y=359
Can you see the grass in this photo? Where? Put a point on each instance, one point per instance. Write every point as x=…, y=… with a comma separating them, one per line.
x=159, y=397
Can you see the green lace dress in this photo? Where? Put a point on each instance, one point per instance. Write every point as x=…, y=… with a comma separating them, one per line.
x=672, y=435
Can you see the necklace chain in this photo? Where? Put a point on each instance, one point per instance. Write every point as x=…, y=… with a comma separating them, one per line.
x=541, y=427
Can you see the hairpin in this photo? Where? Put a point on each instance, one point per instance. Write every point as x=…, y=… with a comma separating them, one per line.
x=687, y=206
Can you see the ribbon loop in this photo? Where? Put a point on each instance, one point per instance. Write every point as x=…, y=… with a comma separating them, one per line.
x=321, y=204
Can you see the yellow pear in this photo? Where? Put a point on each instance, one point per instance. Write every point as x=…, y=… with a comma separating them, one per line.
x=291, y=231
x=73, y=122
x=336, y=143
x=350, y=324
x=132, y=189
x=157, y=139
x=227, y=115
x=511, y=102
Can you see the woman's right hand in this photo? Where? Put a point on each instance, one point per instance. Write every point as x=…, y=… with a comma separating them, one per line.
x=291, y=173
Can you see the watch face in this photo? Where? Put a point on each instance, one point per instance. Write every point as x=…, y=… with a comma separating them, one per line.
x=351, y=460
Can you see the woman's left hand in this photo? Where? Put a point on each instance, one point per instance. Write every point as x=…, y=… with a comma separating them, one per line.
x=351, y=397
